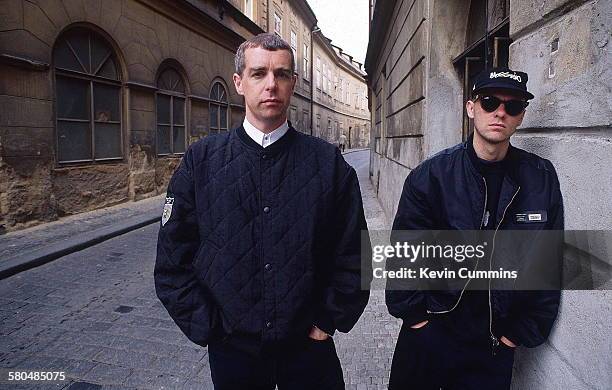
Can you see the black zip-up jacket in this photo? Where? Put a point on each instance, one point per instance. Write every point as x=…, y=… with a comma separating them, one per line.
x=261, y=244
x=446, y=192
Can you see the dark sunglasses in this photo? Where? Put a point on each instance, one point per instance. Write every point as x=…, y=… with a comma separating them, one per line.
x=512, y=107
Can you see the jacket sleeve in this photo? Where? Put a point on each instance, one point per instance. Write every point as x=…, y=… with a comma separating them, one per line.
x=184, y=298
x=538, y=309
x=414, y=216
x=347, y=292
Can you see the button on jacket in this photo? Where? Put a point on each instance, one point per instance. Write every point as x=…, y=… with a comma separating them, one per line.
x=446, y=192
x=262, y=244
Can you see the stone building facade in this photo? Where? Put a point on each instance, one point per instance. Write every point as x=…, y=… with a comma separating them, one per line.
x=340, y=95
x=101, y=98
x=423, y=55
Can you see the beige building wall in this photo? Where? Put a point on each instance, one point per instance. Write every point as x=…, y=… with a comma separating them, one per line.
x=198, y=40
x=340, y=96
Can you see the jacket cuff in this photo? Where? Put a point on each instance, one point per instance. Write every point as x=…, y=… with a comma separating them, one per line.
x=324, y=322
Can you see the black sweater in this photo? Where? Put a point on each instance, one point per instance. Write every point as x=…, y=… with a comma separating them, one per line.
x=261, y=244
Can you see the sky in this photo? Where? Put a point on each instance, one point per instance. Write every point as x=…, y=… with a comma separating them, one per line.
x=345, y=22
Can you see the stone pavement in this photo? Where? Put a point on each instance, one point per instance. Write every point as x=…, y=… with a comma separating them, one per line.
x=94, y=315
x=40, y=244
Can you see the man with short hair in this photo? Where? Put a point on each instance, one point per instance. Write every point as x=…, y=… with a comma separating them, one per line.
x=259, y=249
x=466, y=339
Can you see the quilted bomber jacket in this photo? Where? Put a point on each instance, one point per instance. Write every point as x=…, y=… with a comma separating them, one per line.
x=261, y=244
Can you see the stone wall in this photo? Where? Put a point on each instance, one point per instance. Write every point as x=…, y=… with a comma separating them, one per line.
x=144, y=35
x=569, y=122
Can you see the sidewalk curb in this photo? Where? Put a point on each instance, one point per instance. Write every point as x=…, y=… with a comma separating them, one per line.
x=355, y=150
x=49, y=253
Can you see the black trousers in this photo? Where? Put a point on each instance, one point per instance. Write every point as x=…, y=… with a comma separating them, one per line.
x=433, y=358
x=306, y=365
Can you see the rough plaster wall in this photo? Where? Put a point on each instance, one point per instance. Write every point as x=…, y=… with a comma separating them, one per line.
x=577, y=354
x=26, y=152
x=142, y=144
x=25, y=194
x=572, y=112
x=582, y=67
x=78, y=189
x=444, y=105
x=164, y=168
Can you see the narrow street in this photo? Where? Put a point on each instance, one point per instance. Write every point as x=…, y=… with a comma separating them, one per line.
x=94, y=315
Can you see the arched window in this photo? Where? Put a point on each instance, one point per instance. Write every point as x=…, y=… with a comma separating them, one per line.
x=218, y=108
x=88, y=98
x=170, y=112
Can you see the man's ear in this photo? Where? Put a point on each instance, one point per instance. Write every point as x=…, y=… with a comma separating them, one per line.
x=469, y=107
x=295, y=77
x=238, y=83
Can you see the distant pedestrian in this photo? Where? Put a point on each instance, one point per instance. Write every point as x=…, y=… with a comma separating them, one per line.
x=466, y=339
x=259, y=250
x=342, y=142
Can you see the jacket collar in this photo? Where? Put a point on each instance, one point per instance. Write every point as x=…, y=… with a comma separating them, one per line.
x=509, y=185
x=512, y=158
x=283, y=143
x=262, y=138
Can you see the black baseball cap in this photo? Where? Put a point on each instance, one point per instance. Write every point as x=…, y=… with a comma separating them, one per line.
x=502, y=78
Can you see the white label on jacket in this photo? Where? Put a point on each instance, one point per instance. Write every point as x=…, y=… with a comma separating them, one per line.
x=531, y=216
x=535, y=217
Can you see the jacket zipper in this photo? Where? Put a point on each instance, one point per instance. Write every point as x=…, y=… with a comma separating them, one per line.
x=495, y=340
x=484, y=210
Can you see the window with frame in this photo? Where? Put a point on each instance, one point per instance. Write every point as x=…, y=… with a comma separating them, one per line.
x=88, y=98
x=305, y=121
x=335, y=87
x=278, y=24
x=170, y=113
x=218, y=108
x=305, y=61
x=293, y=117
x=348, y=93
x=294, y=49
x=318, y=76
x=324, y=77
x=248, y=8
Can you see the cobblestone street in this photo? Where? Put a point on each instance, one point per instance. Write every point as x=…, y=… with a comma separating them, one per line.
x=94, y=315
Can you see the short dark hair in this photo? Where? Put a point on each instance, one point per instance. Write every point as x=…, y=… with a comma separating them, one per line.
x=267, y=41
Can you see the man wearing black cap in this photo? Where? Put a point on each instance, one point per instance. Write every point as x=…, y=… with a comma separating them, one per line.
x=466, y=339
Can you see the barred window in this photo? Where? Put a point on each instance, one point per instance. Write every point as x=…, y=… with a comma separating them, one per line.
x=88, y=98
x=170, y=103
x=218, y=108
